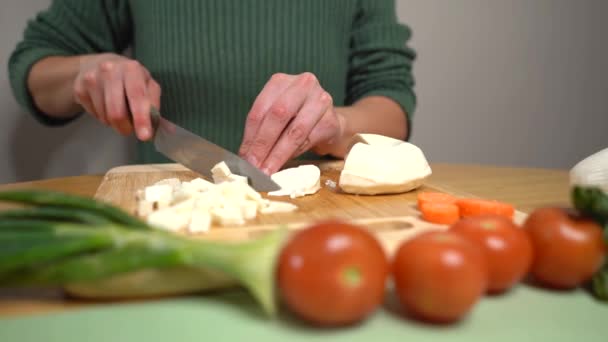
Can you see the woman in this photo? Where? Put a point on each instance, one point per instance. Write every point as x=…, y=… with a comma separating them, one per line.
x=267, y=79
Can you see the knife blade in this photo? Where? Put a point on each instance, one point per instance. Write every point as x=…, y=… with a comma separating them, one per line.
x=200, y=155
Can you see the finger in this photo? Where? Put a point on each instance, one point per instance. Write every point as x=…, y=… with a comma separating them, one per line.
x=154, y=93
x=277, y=84
x=95, y=91
x=138, y=102
x=81, y=96
x=295, y=137
x=114, y=96
x=278, y=116
x=325, y=132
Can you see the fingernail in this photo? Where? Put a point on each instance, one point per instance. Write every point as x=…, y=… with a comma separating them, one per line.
x=144, y=133
x=266, y=171
x=253, y=161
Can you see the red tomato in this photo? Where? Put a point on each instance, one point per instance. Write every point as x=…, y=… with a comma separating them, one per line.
x=439, y=276
x=333, y=273
x=507, y=248
x=568, y=249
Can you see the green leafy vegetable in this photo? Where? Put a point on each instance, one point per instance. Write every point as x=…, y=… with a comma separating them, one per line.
x=599, y=284
x=593, y=202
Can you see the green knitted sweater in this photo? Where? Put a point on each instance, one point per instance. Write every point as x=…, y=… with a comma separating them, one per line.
x=212, y=57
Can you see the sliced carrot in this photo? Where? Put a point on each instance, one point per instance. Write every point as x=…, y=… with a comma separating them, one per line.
x=435, y=197
x=474, y=206
x=440, y=213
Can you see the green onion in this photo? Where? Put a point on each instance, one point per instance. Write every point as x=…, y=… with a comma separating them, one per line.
x=63, y=200
x=55, y=213
x=45, y=247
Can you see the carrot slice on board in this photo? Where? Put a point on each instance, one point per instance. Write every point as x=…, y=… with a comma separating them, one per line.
x=474, y=206
x=440, y=213
x=435, y=197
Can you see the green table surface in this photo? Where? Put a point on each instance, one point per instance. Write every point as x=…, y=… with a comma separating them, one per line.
x=524, y=314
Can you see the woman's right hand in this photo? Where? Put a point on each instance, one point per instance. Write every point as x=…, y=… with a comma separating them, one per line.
x=108, y=85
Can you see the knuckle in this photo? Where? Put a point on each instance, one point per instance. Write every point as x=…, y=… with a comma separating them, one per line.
x=155, y=86
x=258, y=147
x=278, y=77
x=255, y=118
x=132, y=65
x=106, y=66
x=325, y=98
x=258, y=144
x=297, y=134
x=78, y=90
x=309, y=77
x=280, y=112
x=114, y=115
x=136, y=91
x=90, y=78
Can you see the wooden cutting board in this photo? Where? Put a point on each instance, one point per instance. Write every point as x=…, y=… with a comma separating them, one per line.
x=392, y=218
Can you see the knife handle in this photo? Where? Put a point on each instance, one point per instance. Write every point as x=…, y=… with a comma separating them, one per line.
x=154, y=118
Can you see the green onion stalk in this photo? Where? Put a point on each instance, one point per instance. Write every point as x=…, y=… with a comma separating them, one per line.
x=95, y=250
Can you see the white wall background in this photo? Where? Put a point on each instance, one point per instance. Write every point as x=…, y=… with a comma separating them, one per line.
x=510, y=82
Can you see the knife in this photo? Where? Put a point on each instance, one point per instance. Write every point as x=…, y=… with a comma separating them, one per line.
x=200, y=155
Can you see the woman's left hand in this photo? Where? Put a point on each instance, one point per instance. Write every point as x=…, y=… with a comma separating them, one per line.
x=291, y=115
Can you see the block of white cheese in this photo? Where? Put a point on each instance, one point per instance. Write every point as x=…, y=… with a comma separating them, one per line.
x=381, y=165
x=297, y=181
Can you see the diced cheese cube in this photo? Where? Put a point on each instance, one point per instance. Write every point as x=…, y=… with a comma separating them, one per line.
x=199, y=184
x=220, y=173
x=159, y=193
x=249, y=209
x=169, y=219
x=144, y=208
x=183, y=194
x=184, y=206
x=200, y=221
x=205, y=201
x=238, y=178
x=228, y=215
x=172, y=182
x=233, y=191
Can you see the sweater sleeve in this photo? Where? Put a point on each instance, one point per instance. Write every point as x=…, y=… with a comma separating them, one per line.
x=380, y=62
x=67, y=28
